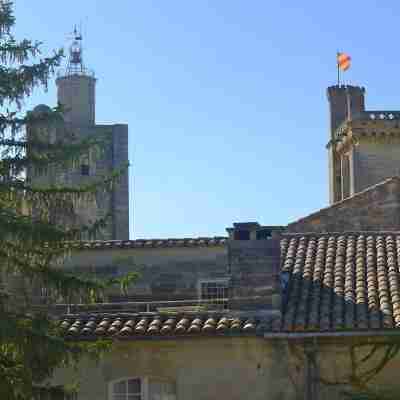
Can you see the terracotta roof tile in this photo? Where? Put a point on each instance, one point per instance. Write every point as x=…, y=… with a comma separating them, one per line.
x=341, y=281
x=149, y=243
x=136, y=325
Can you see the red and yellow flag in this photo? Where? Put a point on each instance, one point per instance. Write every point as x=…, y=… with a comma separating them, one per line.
x=343, y=61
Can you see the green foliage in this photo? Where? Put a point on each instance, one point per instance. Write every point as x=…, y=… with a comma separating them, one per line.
x=124, y=282
x=35, y=232
x=366, y=363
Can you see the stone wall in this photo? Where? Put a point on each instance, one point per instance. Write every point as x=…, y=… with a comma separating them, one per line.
x=249, y=269
x=334, y=364
x=374, y=160
x=100, y=165
x=120, y=196
x=254, y=268
x=200, y=369
x=237, y=368
x=165, y=273
x=115, y=202
x=376, y=208
x=77, y=94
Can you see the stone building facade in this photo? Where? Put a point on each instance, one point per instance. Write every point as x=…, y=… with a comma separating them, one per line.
x=337, y=316
x=245, y=272
x=304, y=306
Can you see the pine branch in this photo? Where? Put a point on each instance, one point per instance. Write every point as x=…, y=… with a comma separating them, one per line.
x=12, y=52
x=16, y=83
x=38, y=224
x=7, y=19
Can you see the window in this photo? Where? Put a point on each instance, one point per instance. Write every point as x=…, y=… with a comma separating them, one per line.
x=161, y=390
x=45, y=291
x=130, y=389
x=263, y=234
x=147, y=388
x=346, y=176
x=214, y=289
x=85, y=169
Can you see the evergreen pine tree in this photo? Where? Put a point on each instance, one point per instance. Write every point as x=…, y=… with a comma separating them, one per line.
x=33, y=235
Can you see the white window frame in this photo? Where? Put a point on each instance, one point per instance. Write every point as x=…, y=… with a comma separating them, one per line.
x=144, y=385
x=201, y=282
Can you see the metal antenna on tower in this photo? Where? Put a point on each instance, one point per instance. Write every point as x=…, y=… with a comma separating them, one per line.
x=75, y=65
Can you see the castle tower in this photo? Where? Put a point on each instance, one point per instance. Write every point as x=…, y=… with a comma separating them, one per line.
x=76, y=93
x=345, y=103
x=76, y=87
x=364, y=146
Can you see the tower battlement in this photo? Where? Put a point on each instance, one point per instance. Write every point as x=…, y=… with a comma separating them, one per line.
x=364, y=146
x=344, y=101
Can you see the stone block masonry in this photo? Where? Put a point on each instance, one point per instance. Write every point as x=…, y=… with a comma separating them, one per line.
x=376, y=208
x=120, y=195
x=76, y=93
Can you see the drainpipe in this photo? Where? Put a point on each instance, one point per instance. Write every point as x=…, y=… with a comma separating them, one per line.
x=311, y=387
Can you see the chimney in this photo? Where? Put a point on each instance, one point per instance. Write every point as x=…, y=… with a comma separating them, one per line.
x=255, y=266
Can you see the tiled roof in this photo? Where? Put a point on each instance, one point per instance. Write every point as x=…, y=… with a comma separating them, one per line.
x=333, y=282
x=344, y=281
x=147, y=243
x=133, y=326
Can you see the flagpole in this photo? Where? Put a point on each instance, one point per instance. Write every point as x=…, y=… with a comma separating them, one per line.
x=338, y=69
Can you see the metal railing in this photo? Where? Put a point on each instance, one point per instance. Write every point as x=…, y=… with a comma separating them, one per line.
x=168, y=306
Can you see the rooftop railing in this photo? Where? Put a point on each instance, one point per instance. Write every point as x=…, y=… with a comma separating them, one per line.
x=169, y=306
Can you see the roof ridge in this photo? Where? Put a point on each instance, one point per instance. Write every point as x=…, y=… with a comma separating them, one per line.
x=378, y=232
x=146, y=243
x=153, y=239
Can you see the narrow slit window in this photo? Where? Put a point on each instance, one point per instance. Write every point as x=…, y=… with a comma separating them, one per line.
x=85, y=170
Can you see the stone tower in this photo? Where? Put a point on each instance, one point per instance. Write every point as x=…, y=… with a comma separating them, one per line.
x=364, y=146
x=76, y=93
x=345, y=103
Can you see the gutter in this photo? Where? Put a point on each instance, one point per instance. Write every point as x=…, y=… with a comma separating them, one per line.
x=306, y=335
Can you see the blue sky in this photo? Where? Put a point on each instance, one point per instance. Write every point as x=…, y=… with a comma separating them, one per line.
x=225, y=100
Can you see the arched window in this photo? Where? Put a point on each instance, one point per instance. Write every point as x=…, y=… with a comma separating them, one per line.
x=143, y=388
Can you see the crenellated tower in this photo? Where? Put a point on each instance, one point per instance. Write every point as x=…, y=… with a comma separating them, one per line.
x=364, y=146
x=345, y=102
